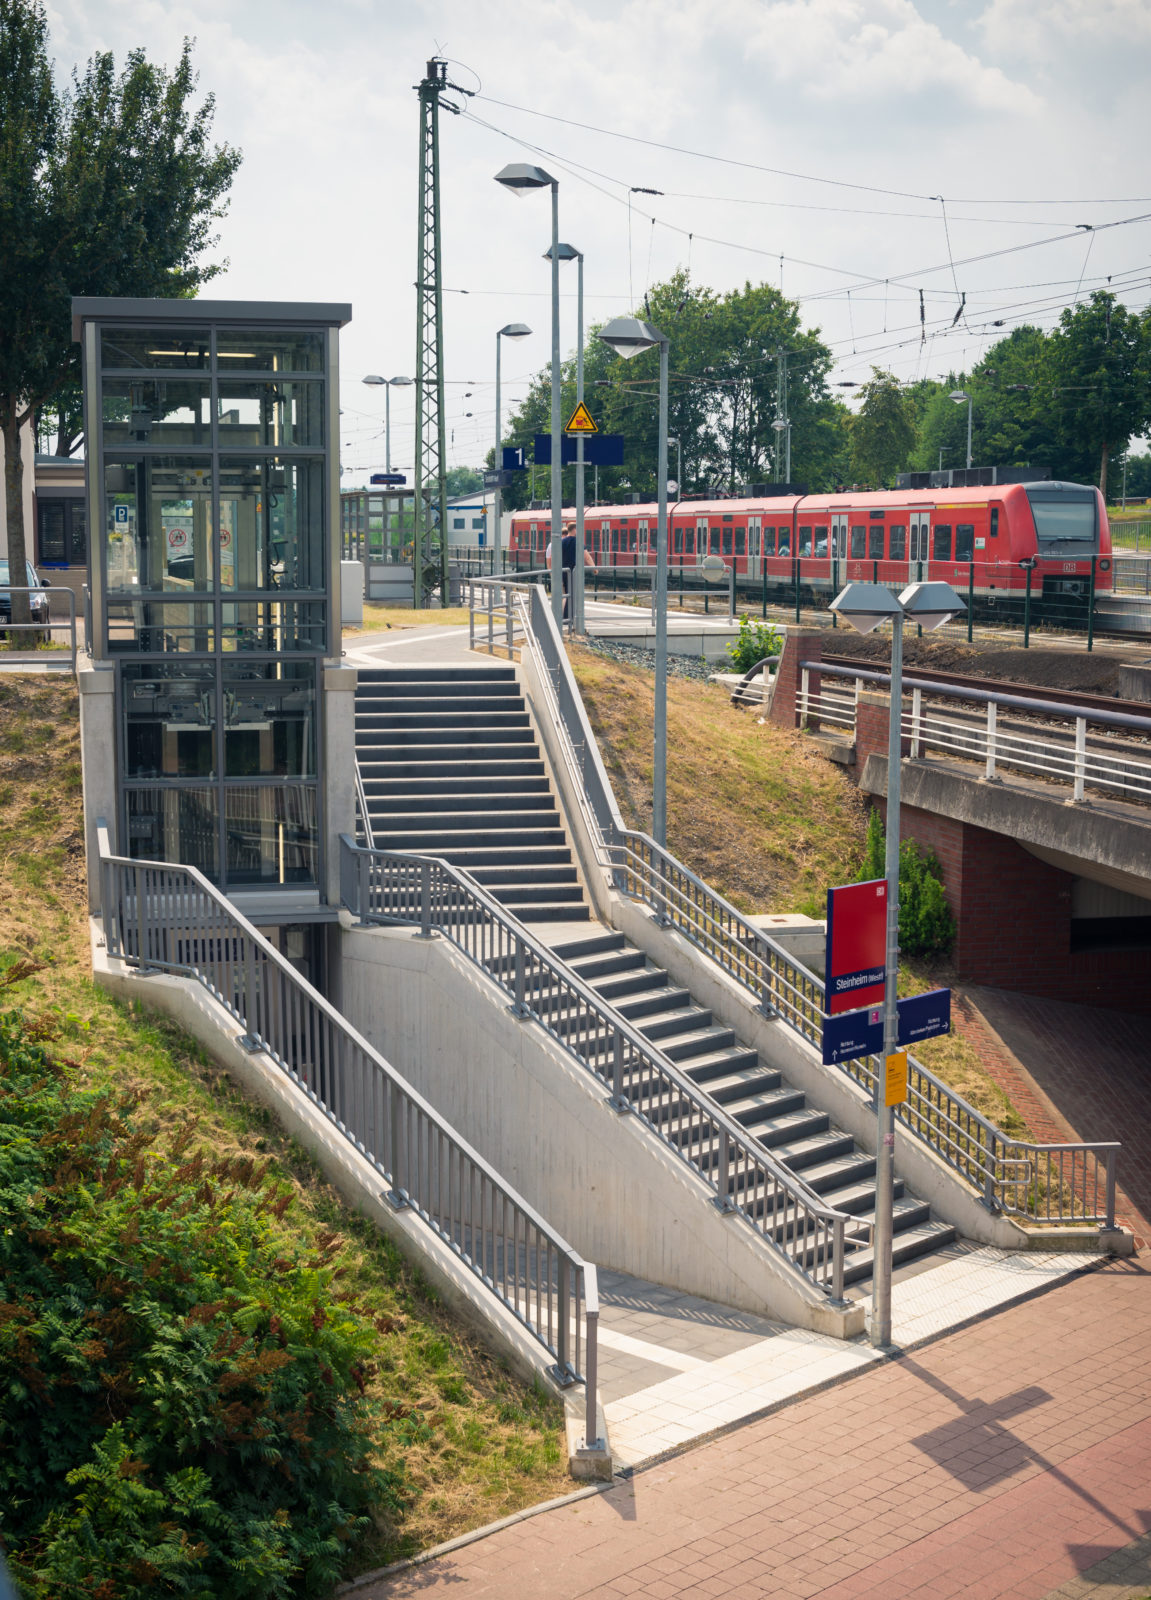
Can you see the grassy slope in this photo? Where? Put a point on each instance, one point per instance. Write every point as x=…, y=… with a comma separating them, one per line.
x=493, y=1445
x=759, y=815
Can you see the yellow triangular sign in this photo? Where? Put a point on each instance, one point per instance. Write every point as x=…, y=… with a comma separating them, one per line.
x=580, y=421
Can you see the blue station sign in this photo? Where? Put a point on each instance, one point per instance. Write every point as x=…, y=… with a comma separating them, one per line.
x=851, y=1034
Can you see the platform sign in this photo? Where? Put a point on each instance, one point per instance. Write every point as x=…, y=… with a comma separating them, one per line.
x=923, y=1016
x=854, y=1034
x=895, y=1079
x=514, y=458
x=581, y=421
x=856, y=945
x=388, y=480
x=599, y=449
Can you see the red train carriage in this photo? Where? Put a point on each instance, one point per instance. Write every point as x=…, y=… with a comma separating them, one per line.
x=968, y=537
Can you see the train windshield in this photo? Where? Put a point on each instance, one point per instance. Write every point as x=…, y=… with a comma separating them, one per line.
x=1062, y=514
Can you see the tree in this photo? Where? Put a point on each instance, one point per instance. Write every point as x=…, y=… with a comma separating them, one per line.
x=1101, y=393
x=108, y=188
x=463, y=480
x=883, y=430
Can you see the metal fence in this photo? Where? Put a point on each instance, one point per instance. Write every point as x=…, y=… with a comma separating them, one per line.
x=170, y=919
x=1064, y=754
x=388, y=886
x=1059, y=1184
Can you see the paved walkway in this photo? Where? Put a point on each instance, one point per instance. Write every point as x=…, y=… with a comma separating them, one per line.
x=1009, y=1461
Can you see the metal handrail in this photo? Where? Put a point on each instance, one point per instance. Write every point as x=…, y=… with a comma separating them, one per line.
x=392, y=886
x=362, y=807
x=169, y=918
x=1068, y=1183
x=68, y=622
x=492, y=598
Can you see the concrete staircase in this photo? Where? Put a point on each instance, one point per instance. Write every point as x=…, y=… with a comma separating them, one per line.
x=754, y=1094
x=451, y=768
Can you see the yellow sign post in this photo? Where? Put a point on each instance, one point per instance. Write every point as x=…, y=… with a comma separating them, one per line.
x=581, y=421
x=895, y=1079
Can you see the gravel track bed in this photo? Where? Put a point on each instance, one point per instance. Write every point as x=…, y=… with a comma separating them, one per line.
x=632, y=655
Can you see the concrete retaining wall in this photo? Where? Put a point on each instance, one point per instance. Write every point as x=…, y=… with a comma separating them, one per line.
x=606, y=1181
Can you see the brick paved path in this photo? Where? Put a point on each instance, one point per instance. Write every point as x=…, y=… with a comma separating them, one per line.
x=1008, y=1460
x=1073, y=1072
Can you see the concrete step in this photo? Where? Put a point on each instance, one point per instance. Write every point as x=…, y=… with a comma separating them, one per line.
x=460, y=805
x=529, y=766
x=388, y=721
x=734, y=1086
x=465, y=739
x=448, y=671
x=909, y=1244
x=573, y=950
x=433, y=708
x=652, y=1002
x=686, y=1019
x=424, y=688
x=423, y=835
x=610, y=963
x=466, y=820
x=510, y=785
x=503, y=876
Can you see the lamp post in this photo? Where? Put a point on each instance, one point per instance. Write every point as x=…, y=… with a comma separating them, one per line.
x=513, y=330
x=678, y=467
x=783, y=425
x=628, y=336
x=568, y=252
x=960, y=396
x=522, y=178
x=374, y=381
x=865, y=606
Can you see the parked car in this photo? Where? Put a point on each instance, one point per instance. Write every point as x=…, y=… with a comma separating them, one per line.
x=39, y=606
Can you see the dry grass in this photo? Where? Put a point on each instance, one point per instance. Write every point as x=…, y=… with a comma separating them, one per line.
x=492, y=1445
x=751, y=807
x=379, y=618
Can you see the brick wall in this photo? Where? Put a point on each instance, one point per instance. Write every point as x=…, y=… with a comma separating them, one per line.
x=1013, y=916
x=801, y=644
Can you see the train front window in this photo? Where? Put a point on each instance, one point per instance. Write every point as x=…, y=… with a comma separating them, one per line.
x=1062, y=514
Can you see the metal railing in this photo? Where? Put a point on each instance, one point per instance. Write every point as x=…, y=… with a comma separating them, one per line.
x=389, y=886
x=1066, y=1184
x=1065, y=755
x=66, y=625
x=164, y=918
x=493, y=621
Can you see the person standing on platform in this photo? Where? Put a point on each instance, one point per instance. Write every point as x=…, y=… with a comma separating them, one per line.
x=568, y=561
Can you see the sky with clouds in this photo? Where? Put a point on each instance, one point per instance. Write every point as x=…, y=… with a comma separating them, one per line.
x=853, y=152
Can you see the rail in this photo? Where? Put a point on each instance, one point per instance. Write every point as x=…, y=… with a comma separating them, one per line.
x=388, y=886
x=50, y=625
x=162, y=918
x=1065, y=1185
x=1064, y=756
x=492, y=600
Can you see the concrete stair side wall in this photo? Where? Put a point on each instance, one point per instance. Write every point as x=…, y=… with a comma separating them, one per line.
x=622, y=1195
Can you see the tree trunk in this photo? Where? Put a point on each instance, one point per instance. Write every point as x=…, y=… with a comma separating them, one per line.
x=1103, y=471
x=10, y=421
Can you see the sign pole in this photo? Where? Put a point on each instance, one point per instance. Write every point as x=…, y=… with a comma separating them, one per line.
x=885, y=1114
x=577, y=574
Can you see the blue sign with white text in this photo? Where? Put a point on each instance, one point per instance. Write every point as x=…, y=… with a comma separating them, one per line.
x=860, y=1033
x=924, y=1016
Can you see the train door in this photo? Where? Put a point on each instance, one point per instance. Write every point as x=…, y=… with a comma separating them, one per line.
x=700, y=539
x=754, y=546
x=918, y=554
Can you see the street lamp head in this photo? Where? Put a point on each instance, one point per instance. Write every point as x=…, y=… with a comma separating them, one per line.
x=628, y=336
x=514, y=330
x=960, y=396
x=931, y=604
x=521, y=178
x=401, y=383
x=565, y=252
x=780, y=425
x=374, y=379
x=866, y=605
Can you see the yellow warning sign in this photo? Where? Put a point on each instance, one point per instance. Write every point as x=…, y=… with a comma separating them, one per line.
x=581, y=421
x=895, y=1079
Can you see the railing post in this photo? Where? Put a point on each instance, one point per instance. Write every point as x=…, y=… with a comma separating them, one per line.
x=618, y=1098
x=591, y=1436
x=563, y=1332
x=731, y=596
x=989, y=772
x=837, y=1247
x=1080, y=758
x=725, y=1199
x=471, y=616
x=916, y=720
x=425, y=900
x=1110, y=1202
x=519, y=1004
x=804, y=686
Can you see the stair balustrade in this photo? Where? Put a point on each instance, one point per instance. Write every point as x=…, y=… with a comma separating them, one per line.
x=1057, y=1184
x=386, y=886
x=163, y=918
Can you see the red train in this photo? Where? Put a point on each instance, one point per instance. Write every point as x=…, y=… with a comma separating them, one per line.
x=980, y=537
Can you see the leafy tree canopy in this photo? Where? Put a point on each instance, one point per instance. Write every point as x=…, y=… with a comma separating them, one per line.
x=110, y=186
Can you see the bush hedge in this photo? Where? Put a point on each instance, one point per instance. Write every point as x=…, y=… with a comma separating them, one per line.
x=926, y=924
x=183, y=1385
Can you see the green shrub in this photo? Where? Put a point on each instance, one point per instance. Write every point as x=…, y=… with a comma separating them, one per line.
x=754, y=641
x=183, y=1399
x=926, y=925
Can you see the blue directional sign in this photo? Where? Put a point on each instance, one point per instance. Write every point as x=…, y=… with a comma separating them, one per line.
x=393, y=480
x=514, y=458
x=924, y=1015
x=860, y=1033
x=599, y=450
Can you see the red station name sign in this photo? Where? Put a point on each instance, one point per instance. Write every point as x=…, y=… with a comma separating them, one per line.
x=856, y=945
